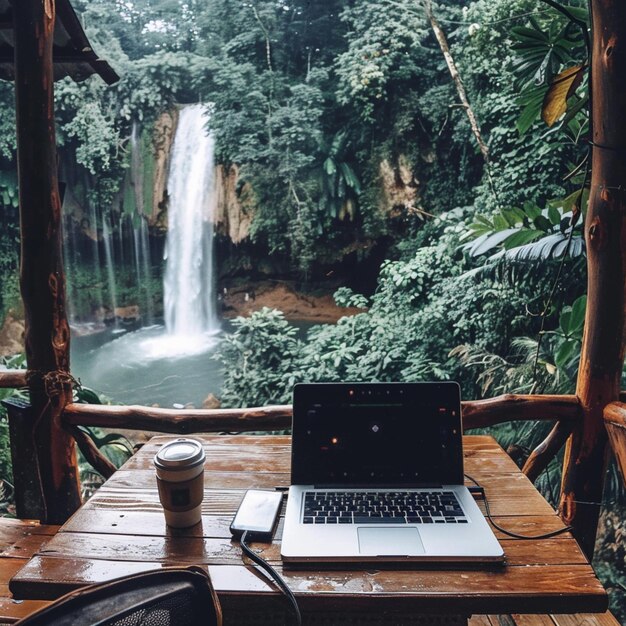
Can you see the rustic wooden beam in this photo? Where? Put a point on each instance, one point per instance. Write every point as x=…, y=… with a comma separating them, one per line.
x=42, y=280
x=13, y=379
x=477, y=414
x=541, y=456
x=179, y=421
x=90, y=451
x=615, y=422
x=602, y=354
x=511, y=407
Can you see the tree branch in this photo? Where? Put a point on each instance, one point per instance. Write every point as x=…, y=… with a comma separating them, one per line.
x=460, y=88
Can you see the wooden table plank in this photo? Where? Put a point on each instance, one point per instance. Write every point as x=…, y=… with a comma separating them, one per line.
x=145, y=479
x=523, y=589
x=602, y=619
x=94, y=519
x=225, y=502
x=12, y=610
x=202, y=550
x=121, y=530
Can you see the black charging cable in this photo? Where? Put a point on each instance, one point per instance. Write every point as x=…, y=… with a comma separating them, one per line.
x=481, y=491
x=276, y=577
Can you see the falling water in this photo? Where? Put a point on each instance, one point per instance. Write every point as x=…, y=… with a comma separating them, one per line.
x=108, y=251
x=146, y=266
x=93, y=225
x=153, y=363
x=188, y=283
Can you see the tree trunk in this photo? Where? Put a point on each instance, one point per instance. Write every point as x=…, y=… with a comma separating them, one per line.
x=42, y=280
x=602, y=355
x=456, y=78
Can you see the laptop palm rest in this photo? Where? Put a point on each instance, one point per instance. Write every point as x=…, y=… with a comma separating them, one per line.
x=390, y=541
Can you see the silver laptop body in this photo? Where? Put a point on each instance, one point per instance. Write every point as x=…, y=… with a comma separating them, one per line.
x=377, y=476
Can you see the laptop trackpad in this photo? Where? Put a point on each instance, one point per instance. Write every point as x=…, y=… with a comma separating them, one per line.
x=390, y=541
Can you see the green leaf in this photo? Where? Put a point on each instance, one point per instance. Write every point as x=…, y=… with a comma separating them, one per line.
x=489, y=242
x=499, y=222
x=521, y=238
x=480, y=219
x=527, y=117
x=88, y=396
x=578, y=12
x=572, y=111
x=567, y=204
x=524, y=33
x=578, y=314
x=511, y=217
x=350, y=177
x=564, y=354
x=532, y=210
x=329, y=166
x=543, y=223
x=521, y=216
x=553, y=215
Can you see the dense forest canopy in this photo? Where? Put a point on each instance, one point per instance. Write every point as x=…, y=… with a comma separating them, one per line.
x=356, y=159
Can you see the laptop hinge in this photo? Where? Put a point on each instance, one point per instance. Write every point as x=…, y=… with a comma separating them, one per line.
x=370, y=487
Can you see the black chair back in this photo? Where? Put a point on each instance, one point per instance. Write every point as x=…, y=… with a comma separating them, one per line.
x=165, y=597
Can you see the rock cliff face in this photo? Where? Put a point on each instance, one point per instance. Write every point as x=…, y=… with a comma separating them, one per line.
x=11, y=336
x=232, y=212
x=399, y=188
x=164, y=131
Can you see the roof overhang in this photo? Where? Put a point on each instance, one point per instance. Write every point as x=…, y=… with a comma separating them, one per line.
x=72, y=53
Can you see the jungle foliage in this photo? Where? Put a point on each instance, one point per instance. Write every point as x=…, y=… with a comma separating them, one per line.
x=485, y=288
x=343, y=119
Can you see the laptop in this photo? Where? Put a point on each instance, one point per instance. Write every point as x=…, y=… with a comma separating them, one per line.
x=377, y=476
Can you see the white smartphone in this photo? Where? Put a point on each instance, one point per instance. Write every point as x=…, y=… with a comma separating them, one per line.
x=258, y=513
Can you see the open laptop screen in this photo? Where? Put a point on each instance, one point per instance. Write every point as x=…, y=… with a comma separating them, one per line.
x=377, y=434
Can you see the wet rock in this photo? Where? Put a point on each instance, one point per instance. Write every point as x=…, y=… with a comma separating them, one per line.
x=11, y=336
x=232, y=208
x=128, y=312
x=211, y=402
x=400, y=188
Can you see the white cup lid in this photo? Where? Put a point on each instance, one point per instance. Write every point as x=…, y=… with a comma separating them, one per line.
x=180, y=454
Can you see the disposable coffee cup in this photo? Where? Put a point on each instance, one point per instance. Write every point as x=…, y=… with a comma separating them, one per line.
x=180, y=479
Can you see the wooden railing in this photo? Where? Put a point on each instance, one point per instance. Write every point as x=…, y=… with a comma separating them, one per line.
x=476, y=414
x=565, y=410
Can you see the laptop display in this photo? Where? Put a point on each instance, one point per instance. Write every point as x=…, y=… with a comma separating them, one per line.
x=390, y=434
x=377, y=476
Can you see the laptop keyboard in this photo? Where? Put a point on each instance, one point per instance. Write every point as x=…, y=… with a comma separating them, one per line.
x=383, y=507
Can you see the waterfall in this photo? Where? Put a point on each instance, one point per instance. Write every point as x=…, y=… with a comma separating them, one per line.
x=189, y=305
x=108, y=252
x=146, y=266
x=93, y=225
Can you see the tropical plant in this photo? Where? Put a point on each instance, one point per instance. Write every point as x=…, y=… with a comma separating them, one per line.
x=340, y=184
x=530, y=233
x=259, y=357
x=116, y=447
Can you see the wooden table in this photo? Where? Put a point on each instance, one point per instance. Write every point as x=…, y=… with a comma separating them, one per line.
x=121, y=530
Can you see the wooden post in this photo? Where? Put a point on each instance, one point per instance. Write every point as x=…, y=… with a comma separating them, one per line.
x=42, y=280
x=602, y=355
